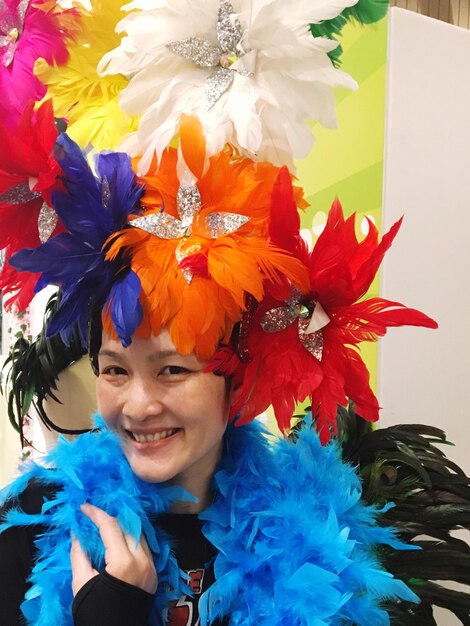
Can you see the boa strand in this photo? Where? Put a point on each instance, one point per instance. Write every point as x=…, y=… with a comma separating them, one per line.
x=107, y=481
x=299, y=549
x=295, y=543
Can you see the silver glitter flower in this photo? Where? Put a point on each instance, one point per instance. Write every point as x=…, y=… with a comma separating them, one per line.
x=188, y=205
x=11, y=29
x=47, y=221
x=219, y=57
x=311, y=319
x=165, y=226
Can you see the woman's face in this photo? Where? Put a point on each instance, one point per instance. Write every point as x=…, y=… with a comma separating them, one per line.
x=171, y=413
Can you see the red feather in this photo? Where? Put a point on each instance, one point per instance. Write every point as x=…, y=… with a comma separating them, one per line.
x=26, y=159
x=196, y=264
x=282, y=371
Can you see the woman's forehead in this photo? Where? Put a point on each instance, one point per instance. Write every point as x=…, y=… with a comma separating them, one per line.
x=153, y=348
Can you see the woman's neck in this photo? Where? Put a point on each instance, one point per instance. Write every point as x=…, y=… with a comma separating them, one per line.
x=204, y=499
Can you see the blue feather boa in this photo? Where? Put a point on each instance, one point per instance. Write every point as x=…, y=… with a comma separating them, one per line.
x=295, y=543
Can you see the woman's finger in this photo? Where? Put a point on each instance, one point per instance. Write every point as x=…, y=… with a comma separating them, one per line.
x=111, y=533
x=82, y=569
x=140, y=548
x=124, y=560
x=145, y=546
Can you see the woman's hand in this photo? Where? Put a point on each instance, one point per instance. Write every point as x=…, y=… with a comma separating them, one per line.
x=124, y=560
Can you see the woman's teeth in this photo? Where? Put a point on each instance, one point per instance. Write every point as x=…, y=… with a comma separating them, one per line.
x=163, y=434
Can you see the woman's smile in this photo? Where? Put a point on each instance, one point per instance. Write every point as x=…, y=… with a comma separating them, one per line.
x=153, y=437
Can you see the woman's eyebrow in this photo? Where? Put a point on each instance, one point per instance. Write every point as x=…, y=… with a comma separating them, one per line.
x=155, y=356
x=162, y=354
x=110, y=353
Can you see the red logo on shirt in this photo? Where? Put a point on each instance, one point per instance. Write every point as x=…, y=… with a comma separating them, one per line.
x=182, y=612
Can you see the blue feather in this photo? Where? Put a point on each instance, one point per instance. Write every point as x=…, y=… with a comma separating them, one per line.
x=295, y=543
x=61, y=259
x=124, y=194
x=306, y=555
x=106, y=480
x=79, y=204
x=126, y=310
x=92, y=208
x=76, y=303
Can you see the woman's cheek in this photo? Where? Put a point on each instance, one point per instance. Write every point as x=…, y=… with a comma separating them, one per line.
x=107, y=399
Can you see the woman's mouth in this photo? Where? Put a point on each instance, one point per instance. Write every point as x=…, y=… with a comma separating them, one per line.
x=151, y=437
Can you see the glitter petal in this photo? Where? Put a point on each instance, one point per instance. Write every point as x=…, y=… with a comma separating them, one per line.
x=217, y=84
x=224, y=223
x=229, y=29
x=47, y=221
x=11, y=24
x=188, y=203
x=19, y=194
x=181, y=252
x=160, y=224
x=105, y=192
x=200, y=51
x=313, y=342
x=9, y=54
x=277, y=319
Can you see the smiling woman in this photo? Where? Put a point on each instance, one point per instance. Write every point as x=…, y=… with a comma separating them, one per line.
x=182, y=272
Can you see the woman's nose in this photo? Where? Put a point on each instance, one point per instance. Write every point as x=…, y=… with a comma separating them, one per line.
x=143, y=400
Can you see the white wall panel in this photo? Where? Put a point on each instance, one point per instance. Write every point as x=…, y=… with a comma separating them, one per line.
x=424, y=375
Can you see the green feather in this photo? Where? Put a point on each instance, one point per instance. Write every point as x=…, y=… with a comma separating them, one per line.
x=32, y=372
x=431, y=496
x=364, y=12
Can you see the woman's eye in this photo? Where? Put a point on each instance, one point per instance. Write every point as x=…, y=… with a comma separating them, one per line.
x=174, y=370
x=113, y=371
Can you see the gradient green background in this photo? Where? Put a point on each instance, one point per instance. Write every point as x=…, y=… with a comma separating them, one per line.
x=347, y=162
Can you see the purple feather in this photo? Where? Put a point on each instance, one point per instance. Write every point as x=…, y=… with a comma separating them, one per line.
x=116, y=172
x=126, y=310
x=91, y=208
x=62, y=258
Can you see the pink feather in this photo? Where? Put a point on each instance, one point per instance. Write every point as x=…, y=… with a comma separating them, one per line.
x=43, y=34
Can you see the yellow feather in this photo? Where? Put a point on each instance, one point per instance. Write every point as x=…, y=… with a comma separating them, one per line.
x=88, y=101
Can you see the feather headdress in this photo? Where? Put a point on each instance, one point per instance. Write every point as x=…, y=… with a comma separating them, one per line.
x=206, y=243
x=205, y=247
x=221, y=62
x=28, y=175
x=29, y=31
x=306, y=345
x=89, y=102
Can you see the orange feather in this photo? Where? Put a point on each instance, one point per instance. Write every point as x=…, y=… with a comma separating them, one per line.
x=193, y=144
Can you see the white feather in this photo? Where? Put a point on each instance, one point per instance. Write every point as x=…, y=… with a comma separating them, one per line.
x=285, y=79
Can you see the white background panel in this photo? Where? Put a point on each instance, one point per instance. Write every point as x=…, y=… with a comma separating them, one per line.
x=423, y=374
